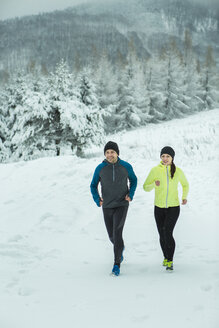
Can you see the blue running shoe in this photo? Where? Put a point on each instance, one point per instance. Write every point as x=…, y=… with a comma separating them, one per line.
x=115, y=270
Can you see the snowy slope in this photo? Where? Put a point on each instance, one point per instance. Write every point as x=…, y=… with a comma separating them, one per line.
x=55, y=257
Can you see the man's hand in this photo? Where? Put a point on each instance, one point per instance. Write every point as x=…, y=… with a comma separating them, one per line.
x=184, y=201
x=128, y=198
x=157, y=183
x=101, y=202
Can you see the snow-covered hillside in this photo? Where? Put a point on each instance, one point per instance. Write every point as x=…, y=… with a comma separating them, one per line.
x=55, y=257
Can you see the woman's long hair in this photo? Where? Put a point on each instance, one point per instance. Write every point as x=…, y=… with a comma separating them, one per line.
x=172, y=169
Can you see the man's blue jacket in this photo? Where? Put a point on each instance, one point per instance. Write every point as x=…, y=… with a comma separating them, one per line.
x=114, y=183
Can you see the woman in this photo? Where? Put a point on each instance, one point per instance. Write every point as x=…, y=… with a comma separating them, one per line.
x=165, y=178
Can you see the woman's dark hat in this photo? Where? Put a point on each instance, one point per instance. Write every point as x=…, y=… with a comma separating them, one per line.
x=168, y=150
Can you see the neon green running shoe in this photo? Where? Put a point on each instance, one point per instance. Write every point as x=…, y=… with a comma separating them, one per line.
x=165, y=262
x=169, y=265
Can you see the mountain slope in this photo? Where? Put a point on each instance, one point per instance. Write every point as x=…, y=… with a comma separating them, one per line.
x=82, y=33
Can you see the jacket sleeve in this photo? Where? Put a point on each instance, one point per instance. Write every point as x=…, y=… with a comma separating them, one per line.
x=184, y=183
x=149, y=182
x=94, y=185
x=133, y=181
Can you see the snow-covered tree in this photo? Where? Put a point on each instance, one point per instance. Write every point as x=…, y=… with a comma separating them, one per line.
x=94, y=126
x=156, y=78
x=15, y=95
x=154, y=113
x=106, y=90
x=141, y=92
x=32, y=124
x=54, y=114
x=4, y=132
x=210, y=81
x=59, y=91
x=174, y=105
x=126, y=115
x=190, y=95
x=131, y=97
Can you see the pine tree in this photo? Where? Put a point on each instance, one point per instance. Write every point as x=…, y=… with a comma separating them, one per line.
x=106, y=90
x=210, y=81
x=93, y=132
x=190, y=95
x=126, y=112
x=141, y=93
x=31, y=126
x=155, y=97
x=174, y=86
x=4, y=133
x=15, y=93
x=60, y=91
x=53, y=113
x=132, y=109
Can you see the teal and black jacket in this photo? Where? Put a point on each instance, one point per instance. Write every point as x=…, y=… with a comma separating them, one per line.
x=114, y=183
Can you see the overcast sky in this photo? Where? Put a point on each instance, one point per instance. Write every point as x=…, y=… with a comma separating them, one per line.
x=14, y=8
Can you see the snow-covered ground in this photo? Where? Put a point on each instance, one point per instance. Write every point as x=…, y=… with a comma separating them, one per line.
x=55, y=257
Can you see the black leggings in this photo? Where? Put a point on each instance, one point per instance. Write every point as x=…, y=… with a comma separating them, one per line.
x=114, y=220
x=166, y=219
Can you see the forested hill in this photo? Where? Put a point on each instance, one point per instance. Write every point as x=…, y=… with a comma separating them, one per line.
x=81, y=34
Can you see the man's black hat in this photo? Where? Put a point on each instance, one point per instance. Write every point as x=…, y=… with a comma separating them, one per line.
x=111, y=145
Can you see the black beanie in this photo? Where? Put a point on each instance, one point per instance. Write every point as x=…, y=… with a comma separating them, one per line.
x=111, y=145
x=168, y=150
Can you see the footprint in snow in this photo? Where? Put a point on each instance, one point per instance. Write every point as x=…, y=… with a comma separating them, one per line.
x=140, y=319
x=189, y=247
x=13, y=283
x=199, y=307
x=140, y=296
x=206, y=288
x=100, y=239
x=25, y=291
x=84, y=232
x=10, y=201
x=15, y=239
x=85, y=262
x=45, y=216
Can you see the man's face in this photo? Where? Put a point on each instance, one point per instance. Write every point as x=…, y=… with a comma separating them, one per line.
x=111, y=156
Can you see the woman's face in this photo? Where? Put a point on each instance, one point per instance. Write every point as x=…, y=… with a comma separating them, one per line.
x=166, y=159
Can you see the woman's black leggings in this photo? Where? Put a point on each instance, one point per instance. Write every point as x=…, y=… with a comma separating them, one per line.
x=166, y=219
x=114, y=220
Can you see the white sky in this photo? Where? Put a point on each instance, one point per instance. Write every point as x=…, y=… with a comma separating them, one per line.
x=13, y=8
x=17, y=8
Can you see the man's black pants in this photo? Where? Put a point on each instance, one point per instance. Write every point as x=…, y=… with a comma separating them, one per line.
x=166, y=219
x=114, y=220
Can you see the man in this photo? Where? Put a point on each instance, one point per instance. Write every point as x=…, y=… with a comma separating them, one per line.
x=113, y=175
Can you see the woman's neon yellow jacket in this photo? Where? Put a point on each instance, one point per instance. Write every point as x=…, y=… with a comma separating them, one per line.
x=166, y=194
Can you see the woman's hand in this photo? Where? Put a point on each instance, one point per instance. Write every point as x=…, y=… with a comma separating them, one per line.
x=157, y=182
x=128, y=198
x=184, y=201
x=101, y=202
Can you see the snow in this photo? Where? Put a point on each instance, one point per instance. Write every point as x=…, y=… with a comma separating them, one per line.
x=56, y=257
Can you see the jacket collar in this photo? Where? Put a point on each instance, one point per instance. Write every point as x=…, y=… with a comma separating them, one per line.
x=105, y=161
x=164, y=166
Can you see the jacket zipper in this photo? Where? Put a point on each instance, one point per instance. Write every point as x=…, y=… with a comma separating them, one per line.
x=113, y=173
x=167, y=186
